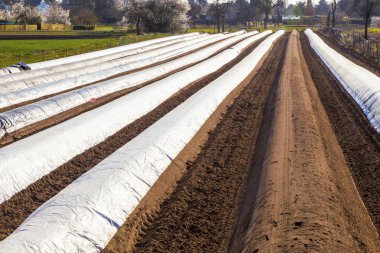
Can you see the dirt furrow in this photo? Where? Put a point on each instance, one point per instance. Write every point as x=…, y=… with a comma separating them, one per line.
x=359, y=142
x=14, y=211
x=306, y=199
x=66, y=115
x=199, y=215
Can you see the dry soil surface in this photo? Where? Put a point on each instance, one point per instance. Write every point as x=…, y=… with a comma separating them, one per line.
x=14, y=211
x=306, y=199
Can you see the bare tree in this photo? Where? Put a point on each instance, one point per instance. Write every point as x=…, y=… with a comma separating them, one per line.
x=333, y=8
x=279, y=10
x=197, y=11
x=134, y=13
x=85, y=17
x=309, y=9
x=367, y=8
x=220, y=9
x=244, y=12
x=266, y=7
x=328, y=19
x=302, y=6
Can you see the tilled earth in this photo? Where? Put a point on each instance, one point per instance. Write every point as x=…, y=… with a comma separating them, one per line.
x=288, y=163
x=229, y=200
x=359, y=142
x=14, y=211
x=199, y=215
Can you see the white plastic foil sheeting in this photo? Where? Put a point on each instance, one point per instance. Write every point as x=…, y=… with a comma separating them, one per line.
x=88, y=74
x=92, y=55
x=73, y=62
x=26, y=115
x=362, y=85
x=8, y=70
x=85, y=215
x=29, y=159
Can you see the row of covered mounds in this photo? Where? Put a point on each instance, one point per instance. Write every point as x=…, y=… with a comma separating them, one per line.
x=86, y=214
x=362, y=85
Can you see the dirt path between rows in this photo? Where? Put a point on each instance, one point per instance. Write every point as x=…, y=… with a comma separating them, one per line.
x=199, y=215
x=351, y=55
x=61, y=117
x=14, y=211
x=306, y=199
x=359, y=142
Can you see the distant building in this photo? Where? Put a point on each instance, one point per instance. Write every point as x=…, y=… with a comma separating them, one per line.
x=291, y=17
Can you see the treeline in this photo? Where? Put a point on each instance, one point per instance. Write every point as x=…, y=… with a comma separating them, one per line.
x=174, y=15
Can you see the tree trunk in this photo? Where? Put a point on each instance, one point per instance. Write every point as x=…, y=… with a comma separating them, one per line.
x=218, y=21
x=222, y=24
x=333, y=7
x=138, y=27
x=367, y=20
x=266, y=20
x=333, y=19
x=328, y=19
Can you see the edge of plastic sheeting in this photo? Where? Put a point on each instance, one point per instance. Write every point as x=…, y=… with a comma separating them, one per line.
x=29, y=159
x=9, y=70
x=362, y=85
x=99, y=202
x=91, y=55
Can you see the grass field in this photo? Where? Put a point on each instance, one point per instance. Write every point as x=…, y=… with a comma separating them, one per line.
x=29, y=51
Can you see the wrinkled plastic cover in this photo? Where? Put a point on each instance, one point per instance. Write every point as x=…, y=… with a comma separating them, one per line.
x=24, y=90
x=86, y=215
x=9, y=70
x=27, y=160
x=26, y=115
x=92, y=55
x=362, y=85
x=71, y=62
x=140, y=53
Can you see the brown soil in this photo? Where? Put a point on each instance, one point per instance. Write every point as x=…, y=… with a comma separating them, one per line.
x=351, y=55
x=59, y=118
x=199, y=215
x=14, y=211
x=305, y=198
x=359, y=142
